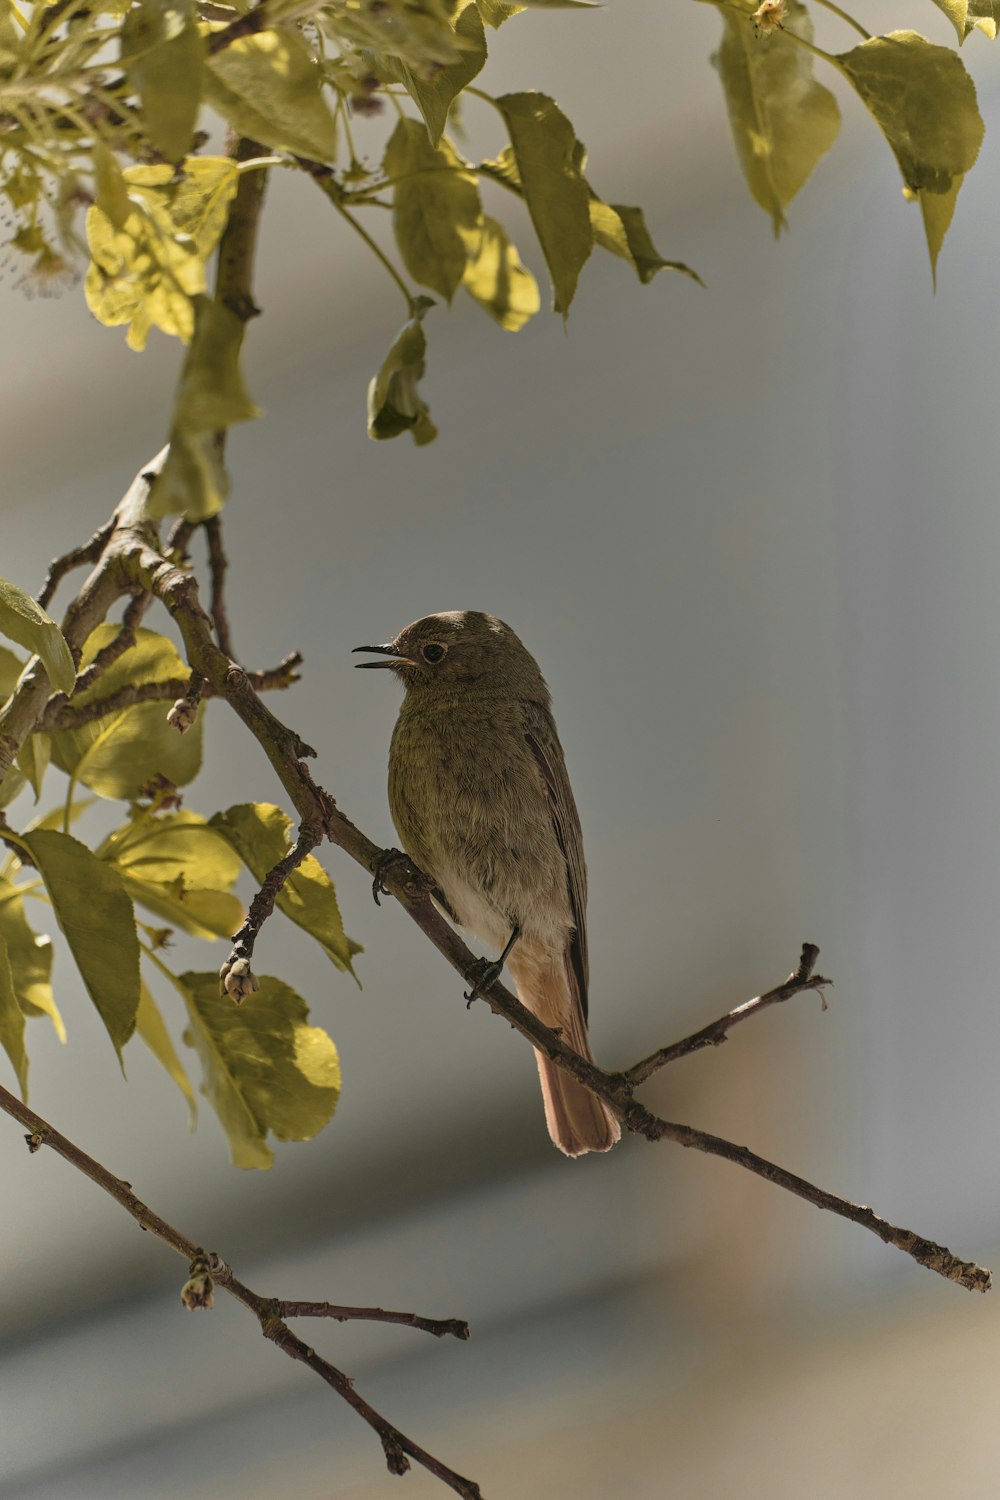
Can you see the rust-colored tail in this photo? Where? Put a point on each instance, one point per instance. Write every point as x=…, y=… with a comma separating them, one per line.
x=578, y=1122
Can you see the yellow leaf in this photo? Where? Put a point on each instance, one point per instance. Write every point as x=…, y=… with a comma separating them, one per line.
x=782, y=120
x=498, y=281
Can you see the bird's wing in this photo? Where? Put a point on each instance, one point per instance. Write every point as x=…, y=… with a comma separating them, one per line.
x=543, y=741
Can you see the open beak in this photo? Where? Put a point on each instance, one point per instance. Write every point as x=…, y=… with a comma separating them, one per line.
x=394, y=659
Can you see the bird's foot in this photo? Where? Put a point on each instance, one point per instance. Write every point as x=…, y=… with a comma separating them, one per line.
x=482, y=976
x=485, y=972
x=386, y=859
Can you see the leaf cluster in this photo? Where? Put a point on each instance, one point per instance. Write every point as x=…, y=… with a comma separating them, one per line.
x=159, y=869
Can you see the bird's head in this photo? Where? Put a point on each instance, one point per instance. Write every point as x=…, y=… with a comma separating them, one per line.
x=460, y=646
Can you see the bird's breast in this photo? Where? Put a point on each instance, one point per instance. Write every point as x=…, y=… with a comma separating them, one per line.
x=472, y=810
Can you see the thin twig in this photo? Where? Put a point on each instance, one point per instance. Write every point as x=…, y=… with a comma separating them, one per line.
x=715, y=1032
x=268, y=1310
x=235, y=976
x=116, y=648
x=62, y=713
x=405, y=882
x=75, y=558
x=218, y=563
x=439, y=1327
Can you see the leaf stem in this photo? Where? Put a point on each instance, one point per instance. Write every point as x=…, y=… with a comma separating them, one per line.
x=829, y=5
x=377, y=251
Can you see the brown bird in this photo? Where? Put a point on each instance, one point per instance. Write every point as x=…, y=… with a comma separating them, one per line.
x=481, y=800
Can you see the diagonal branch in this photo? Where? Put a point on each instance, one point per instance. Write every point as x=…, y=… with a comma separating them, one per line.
x=236, y=977
x=712, y=1035
x=270, y=1312
x=59, y=566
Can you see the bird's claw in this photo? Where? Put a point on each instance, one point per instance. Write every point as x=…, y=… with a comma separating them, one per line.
x=386, y=858
x=484, y=973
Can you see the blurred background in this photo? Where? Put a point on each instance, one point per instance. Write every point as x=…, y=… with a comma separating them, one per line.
x=751, y=534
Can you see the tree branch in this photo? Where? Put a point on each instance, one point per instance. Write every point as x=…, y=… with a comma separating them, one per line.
x=62, y=713
x=712, y=1035
x=457, y=1327
x=236, y=977
x=75, y=558
x=218, y=563
x=269, y=1311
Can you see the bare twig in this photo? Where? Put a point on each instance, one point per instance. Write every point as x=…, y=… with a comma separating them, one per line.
x=75, y=558
x=218, y=563
x=457, y=1327
x=123, y=641
x=407, y=884
x=235, y=976
x=62, y=713
x=270, y=1312
x=715, y=1033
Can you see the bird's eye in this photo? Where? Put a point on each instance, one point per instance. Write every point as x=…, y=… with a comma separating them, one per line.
x=432, y=652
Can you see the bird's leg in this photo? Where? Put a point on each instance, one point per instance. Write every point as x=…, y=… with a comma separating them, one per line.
x=485, y=971
x=387, y=858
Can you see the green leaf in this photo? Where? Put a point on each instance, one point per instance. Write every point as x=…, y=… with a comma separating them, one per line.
x=623, y=231
x=151, y=1027
x=394, y=403
x=269, y=88
x=263, y=1068
x=11, y=667
x=118, y=754
x=171, y=845
x=30, y=959
x=937, y=210
x=957, y=12
x=98, y=922
x=112, y=193
x=12, y=786
x=782, y=120
x=498, y=281
x=984, y=14
x=202, y=913
x=163, y=56
x=924, y=102
x=12, y=1022
x=33, y=760
x=434, y=96
x=547, y=155
x=261, y=835
x=211, y=397
x=496, y=12
x=181, y=869
x=967, y=15
x=22, y=620
x=436, y=211
x=146, y=271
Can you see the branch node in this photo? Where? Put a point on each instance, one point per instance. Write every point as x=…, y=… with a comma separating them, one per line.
x=237, y=979
x=395, y=1458
x=198, y=1291
x=36, y=1140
